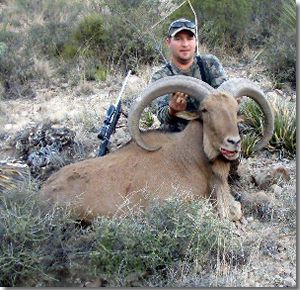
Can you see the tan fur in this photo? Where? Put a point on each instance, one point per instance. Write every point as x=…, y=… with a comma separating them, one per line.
x=105, y=185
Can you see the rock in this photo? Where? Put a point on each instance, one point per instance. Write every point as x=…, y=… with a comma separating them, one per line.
x=272, y=95
x=92, y=284
x=46, y=148
x=258, y=203
x=12, y=173
x=8, y=127
x=281, y=172
x=276, y=189
x=269, y=247
x=279, y=92
x=289, y=282
x=250, y=219
x=265, y=178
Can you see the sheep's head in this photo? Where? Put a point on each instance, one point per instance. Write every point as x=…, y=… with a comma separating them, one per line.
x=221, y=135
x=201, y=91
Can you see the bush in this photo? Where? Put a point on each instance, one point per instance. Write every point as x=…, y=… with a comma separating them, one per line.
x=90, y=33
x=248, y=142
x=131, y=43
x=280, y=58
x=16, y=65
x=222, y=24
x=49, y=38
x=25, y=233
x=38, y=29
x=167, y=235
x=280, y=53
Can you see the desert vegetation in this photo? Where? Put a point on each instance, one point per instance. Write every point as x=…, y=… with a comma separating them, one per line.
x=61, y=63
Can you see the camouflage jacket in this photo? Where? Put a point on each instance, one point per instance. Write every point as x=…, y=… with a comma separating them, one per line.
x=215, y=76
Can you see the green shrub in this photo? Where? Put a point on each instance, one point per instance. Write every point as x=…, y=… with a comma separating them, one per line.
x=96, y=72
x=251, y=128
x=147, y=119
x=16, y=65
x=90, y=32
x=45, y=32
x=280, y=58
x=248, y=142
x=222, y=23
x=131, y=43
x=280, y=53
x=49, y=38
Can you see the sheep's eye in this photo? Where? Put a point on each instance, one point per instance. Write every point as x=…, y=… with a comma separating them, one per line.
x=203, y=110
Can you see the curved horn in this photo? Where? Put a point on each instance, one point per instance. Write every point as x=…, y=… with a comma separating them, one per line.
x=185, y=84
x=239, y=87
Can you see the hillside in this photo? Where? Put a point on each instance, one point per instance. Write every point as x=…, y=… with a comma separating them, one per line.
x=272, y=261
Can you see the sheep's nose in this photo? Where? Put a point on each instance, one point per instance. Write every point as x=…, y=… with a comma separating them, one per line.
x=234, y=140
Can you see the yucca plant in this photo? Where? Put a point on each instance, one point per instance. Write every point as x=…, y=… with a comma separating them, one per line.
x=288, y=15
x=253, y=117
x=147, y=119
x=248, y=142
x=284, y=136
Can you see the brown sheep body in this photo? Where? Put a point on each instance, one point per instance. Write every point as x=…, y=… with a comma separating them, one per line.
x=104, y=185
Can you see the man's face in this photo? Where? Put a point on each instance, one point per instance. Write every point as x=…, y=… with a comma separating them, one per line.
x=182, y=46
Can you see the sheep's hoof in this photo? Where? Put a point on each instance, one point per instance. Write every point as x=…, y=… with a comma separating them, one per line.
x=235, y=211
x=231, y=210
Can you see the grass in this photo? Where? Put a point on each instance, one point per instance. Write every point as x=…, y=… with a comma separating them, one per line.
x=147, y=119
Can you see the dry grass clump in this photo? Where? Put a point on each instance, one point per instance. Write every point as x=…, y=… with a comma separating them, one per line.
x=286, y=204
x=25, y=233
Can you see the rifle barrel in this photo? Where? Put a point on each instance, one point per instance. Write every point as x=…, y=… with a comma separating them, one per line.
x=123, y=87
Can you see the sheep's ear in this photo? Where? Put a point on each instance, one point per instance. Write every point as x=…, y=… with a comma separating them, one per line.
x=188, y=115
x=239, y=99
x=240, y=118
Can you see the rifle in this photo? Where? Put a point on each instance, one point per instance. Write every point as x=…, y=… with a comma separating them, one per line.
x=110, y=122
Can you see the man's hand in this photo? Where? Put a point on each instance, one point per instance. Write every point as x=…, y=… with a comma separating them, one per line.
x=178, y=103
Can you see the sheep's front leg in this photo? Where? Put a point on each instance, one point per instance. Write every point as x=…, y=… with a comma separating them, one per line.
x=227, y=206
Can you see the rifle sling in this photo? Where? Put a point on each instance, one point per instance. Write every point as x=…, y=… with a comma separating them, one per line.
x=200, y=65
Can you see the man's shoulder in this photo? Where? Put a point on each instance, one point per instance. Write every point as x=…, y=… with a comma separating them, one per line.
x=214, y=69
x=210, y=59
x=213, y=65
x=161, y=72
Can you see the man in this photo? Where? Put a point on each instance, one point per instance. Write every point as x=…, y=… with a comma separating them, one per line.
x=181, y=41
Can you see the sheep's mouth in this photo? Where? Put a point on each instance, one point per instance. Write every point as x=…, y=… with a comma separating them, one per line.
x=229, y=154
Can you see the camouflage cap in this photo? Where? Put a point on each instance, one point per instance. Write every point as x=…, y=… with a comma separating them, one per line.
x=181, y=24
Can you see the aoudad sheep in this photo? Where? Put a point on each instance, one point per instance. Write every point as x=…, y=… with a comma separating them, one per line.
x=155, y=163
